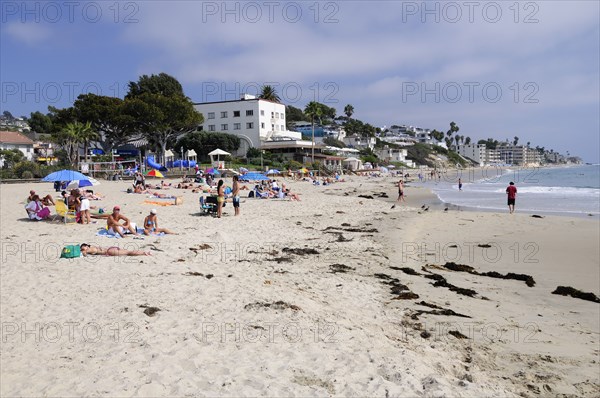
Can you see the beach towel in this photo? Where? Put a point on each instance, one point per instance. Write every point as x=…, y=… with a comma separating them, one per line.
x=104, y=232
x=153, y=202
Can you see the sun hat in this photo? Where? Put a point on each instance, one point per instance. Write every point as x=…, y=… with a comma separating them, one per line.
x=153, y=211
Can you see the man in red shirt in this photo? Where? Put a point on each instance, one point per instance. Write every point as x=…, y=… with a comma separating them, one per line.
x=511, y=190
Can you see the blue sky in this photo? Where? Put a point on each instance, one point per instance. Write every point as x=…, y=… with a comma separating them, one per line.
x=498, y=69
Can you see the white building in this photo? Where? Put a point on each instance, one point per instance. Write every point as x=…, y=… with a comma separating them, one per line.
x=355, y=141
x=388, y=154
x=254, y=120
x=475, y=152
x=14, y=140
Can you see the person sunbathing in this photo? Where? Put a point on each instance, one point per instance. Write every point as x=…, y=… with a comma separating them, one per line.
x=115, y=228
x=151, y=224
x=46, y=200
x=88, y=250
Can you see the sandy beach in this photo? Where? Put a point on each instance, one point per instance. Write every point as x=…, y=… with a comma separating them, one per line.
x=338, y=294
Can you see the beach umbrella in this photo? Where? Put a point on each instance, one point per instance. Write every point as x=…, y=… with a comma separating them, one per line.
x=65, y=175
x=243, y=170
x=83, y=183
x=273, y=171
x=212, y=170
x=254, y=177
x=383, y=169
x=303, y=170
x=391, y=166
x=155, y=173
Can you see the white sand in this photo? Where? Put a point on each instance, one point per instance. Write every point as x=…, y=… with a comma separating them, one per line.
x=75, y=327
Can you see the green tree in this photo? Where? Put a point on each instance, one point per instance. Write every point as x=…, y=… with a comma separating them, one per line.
x=437, y=135
x=162, y=84
x=467, y=140
x=160, y=110
x=293, y=114
x=349, y=110
x=314, y=111
x=86, y=135
x=10, y=157
x=40, y=123
x=268, y=93
x=108, y=117
x=204, y=142
x=515, y=140
x=69, y=138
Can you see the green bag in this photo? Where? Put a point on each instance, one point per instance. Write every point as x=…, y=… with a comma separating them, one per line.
x=70, y=251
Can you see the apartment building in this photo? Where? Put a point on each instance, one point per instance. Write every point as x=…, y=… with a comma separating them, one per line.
x=475, y=152
x=254, y=120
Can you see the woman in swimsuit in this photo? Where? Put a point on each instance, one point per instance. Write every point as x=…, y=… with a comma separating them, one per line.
x=220, y=198
x=88, y=250
x=151, y=224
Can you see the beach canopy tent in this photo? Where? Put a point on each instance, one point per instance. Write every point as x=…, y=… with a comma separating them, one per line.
x=353, y=163
x=218, y=153
x=65, y=175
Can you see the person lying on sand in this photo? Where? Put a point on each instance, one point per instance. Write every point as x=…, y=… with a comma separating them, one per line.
x=46, y=200
x=151, y=224
x=88, y=250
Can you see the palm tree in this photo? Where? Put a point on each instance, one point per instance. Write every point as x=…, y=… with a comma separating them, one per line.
x=86, y=135
x=69, y=140
x=516, y=140
x=313, y=109
x=467, y=140
x=349, y=110
x=268, y=93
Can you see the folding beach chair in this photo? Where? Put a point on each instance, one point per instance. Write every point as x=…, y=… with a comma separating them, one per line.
x=63, y=211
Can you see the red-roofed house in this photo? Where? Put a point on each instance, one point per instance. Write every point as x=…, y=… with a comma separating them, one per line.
x=16, y=140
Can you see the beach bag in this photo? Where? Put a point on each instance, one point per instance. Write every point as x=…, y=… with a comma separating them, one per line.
x=251, y=194
x=44, y=213
x=70, y=251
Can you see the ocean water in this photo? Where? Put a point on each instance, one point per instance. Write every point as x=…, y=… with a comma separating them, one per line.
x=563, y=190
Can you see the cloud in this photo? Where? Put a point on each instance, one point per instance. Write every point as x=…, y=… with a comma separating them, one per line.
x=28, y=33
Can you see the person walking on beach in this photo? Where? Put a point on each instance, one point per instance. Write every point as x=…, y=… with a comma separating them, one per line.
x=459, y=184
x=235, y=191
x=401, y=192
x=511, y=191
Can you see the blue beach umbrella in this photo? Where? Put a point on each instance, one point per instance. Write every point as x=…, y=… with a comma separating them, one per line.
x=65, y=175
x=273, y=171
x=254, y=177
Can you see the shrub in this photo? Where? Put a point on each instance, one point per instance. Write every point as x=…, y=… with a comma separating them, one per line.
x=21, y=167
x=27, y=174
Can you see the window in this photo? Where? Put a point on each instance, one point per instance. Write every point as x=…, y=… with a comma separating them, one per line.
x=276, y=115
x=250, y=125
x=262, y=125
x=250, y=113
x=236, y=113
x=237, y=126
x=262, y=112
x=224, y=127
x=282, y=128
x=211, y=127
x=272, y=115
x=223, y=114
x=211, y=115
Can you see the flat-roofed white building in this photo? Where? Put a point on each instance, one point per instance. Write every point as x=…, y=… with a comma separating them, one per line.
x=475, y=152
x=254, y=120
